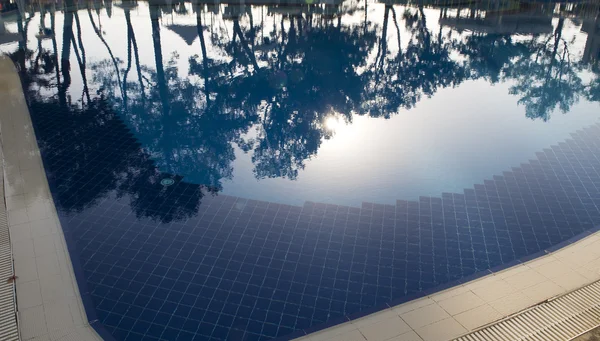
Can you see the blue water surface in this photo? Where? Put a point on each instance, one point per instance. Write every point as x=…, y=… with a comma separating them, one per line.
x=254, y=172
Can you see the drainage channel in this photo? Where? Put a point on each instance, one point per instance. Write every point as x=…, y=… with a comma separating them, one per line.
x=8, y=315
x=561, y=318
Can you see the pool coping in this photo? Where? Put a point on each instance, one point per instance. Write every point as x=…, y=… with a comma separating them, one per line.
x=85, y=300
x=49, y=304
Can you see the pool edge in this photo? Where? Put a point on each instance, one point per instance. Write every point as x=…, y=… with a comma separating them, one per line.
x=456, y=285
x=41, y=310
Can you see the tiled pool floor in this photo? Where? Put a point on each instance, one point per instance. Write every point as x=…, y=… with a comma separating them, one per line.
x=458, y=310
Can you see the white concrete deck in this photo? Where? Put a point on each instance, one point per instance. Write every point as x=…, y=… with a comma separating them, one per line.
x=451, y=313
x=48, y=301
x=50, y=307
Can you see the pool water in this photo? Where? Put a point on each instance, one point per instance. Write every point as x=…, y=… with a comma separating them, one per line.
x=230, y=172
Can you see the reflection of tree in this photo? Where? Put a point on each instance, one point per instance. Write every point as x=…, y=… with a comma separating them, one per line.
x=312, y=75
x=196, y=137
x=44, y=64
x=593, y=89
x=22, y=28
x=75, y=150
x=132, y=48
x=287, y=82
x=84, y=137
x=65, y=56
x=187, y=133
x=80, y=54
x=158, y=62
x=548, y=78
x=298, y=88
x=291, y=80
x=55, y=47
x=71, y=180
x=422, y=67
x=99, y=34
x=237, y=32
x=490, y=55
x=308, y=72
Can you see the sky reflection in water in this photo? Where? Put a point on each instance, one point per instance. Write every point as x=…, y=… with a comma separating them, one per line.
x=423, y=102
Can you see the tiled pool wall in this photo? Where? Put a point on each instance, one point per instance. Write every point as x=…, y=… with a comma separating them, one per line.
x=179, y=262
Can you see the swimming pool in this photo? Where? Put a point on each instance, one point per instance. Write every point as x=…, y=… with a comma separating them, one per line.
x=227, y=172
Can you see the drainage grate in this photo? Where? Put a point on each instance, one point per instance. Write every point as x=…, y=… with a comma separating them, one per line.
x=561, y=318
x=8, y=315
x=167, y=182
